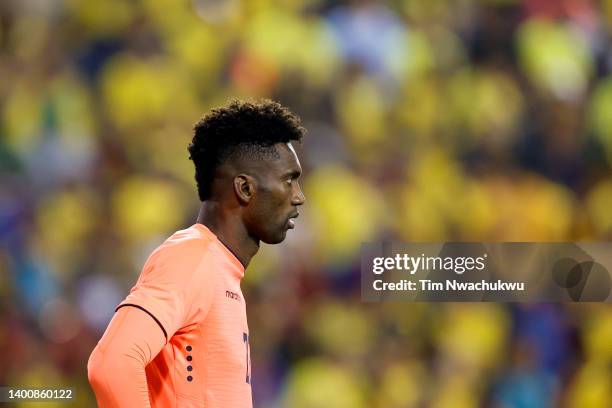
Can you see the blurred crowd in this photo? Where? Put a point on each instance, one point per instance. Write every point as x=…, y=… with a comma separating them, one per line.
x=428, y=120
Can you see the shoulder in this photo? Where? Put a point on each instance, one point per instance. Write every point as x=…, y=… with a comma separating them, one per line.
x=180, y=255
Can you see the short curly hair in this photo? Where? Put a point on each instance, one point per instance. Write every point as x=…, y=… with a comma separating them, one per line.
x=239, y=129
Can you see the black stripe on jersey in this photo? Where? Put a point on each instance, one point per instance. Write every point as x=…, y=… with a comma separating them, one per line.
x=147, y=312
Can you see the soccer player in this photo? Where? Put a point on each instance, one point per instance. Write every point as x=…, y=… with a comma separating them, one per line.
x=180, y=338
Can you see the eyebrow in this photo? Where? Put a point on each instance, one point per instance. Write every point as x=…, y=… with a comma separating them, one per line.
x=293, y=174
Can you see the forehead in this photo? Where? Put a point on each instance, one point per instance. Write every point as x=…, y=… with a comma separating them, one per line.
x=287, y=160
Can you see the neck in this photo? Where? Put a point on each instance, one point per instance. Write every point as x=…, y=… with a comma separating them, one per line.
x=229, y=229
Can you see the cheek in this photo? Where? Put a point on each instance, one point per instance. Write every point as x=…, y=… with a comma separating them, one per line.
x=275, y=201
x=268, y=209
x=267, y=220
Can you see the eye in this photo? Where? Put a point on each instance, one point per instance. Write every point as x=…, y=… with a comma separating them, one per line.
x=290, y=181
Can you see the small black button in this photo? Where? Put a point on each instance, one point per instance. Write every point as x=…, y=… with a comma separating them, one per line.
x=189, y=358
x=189, y=378
x=189, y=368
x=188, y=348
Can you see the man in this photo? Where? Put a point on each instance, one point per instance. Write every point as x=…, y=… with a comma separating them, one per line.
x=180, y=338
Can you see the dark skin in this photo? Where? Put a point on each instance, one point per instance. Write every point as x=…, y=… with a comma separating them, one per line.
x=254, y=201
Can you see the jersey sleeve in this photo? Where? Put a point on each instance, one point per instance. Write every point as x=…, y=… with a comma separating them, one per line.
x=175, y=287
x=116, y=367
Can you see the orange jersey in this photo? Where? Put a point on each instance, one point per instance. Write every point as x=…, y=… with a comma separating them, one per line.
x=191, y=286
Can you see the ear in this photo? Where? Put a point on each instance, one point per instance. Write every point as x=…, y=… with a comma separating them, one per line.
x=244, y=188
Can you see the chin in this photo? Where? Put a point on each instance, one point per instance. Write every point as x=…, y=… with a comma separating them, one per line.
x=276, y=239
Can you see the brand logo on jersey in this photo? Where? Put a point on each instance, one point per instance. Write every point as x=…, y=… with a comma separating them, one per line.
x=232, y=295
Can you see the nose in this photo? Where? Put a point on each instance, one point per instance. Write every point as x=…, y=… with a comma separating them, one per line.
x=298, y=196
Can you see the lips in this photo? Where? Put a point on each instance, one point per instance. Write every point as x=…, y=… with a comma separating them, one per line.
x=291, y=220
